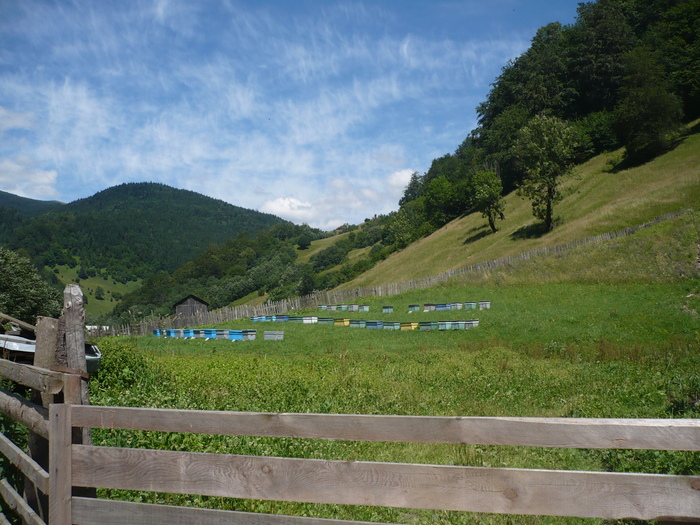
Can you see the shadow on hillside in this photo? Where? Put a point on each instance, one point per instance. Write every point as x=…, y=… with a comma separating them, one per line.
x=481, y=232
x=646, y=157
x=531, y=231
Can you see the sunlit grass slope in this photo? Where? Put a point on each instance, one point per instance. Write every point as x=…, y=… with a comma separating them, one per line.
x=596, y=200
x=97, y=307
x=303, y=256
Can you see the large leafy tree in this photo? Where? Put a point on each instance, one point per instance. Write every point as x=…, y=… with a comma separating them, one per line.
x=546, y=149
x=23, y=294
x=487, y=196
x=648, y=111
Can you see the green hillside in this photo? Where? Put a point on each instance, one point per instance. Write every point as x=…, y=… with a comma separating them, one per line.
x=132, y=230
x=596, y=200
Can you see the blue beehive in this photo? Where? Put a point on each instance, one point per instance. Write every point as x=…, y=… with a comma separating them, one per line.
x=235, y=335
x=209, y=333
x=374, y=324
x=387, y=309
x=170, y=333
x=357, y=323
x=188, y=333
x=156, y=333
x=391, y=325
x=442, y=306
x=444, y=325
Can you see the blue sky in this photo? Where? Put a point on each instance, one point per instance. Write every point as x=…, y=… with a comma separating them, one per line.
x=316, y=111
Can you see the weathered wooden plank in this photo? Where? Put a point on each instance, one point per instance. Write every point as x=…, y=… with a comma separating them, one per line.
x=37, y=446
x=26, y=464
x=88, y=511
x=4, y=520
x=21, y=324
x=476, y=489
x=60, y=465
x=18, y=505
x=34, y=377
x=654, y=434
x=29, y=414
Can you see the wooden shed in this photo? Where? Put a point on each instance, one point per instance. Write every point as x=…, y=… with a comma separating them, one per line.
x=191, y=305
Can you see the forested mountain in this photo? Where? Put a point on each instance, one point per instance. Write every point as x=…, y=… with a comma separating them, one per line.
x=129, y=231
x=28, y=207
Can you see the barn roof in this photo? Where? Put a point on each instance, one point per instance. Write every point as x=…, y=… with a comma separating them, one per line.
x=191, y=297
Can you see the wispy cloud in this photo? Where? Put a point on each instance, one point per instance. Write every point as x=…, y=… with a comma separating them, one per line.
x=316, y=112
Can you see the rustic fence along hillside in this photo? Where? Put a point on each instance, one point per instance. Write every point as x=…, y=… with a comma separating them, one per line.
x=63, y=464
x=234, y=313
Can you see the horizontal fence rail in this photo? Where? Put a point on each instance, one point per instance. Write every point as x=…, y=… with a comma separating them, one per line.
x=227, y=314
x=649, y=434
x=442, y=487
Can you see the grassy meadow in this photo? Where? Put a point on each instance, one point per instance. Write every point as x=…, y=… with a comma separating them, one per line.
x=610, y=330
x=97, y=307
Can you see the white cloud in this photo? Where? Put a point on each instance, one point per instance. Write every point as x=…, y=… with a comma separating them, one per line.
x=21, y=177
x=289, y=208
x=398, y=180
x=12, y=120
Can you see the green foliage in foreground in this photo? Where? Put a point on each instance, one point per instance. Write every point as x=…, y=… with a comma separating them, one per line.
x=23, y=294
x=566, y=349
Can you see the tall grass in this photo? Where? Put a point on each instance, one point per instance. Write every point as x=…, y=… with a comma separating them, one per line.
x=565, y=349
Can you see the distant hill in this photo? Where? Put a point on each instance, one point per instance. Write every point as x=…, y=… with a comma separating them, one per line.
x=129, y=231
x=28, y=207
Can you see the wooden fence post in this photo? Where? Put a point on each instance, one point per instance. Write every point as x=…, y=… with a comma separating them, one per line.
x=38, y=446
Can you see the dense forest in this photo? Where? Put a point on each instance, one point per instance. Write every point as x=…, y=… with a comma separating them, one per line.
x=625, y=73
x=128, y=231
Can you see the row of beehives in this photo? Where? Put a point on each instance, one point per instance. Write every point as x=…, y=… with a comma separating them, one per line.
x=212, y=333
x=360, y=323
x=427, y=307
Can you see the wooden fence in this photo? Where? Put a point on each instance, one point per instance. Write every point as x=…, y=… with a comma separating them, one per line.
x=75, y=468
x=414, y=486
x=234, y=313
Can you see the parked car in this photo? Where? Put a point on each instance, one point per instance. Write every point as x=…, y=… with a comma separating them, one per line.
x=22, y=350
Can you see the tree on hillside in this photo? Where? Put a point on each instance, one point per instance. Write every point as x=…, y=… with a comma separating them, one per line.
x=648, y=112
x=486, y=190
x=304, y=241
x=23, y=294
x=546, y=149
